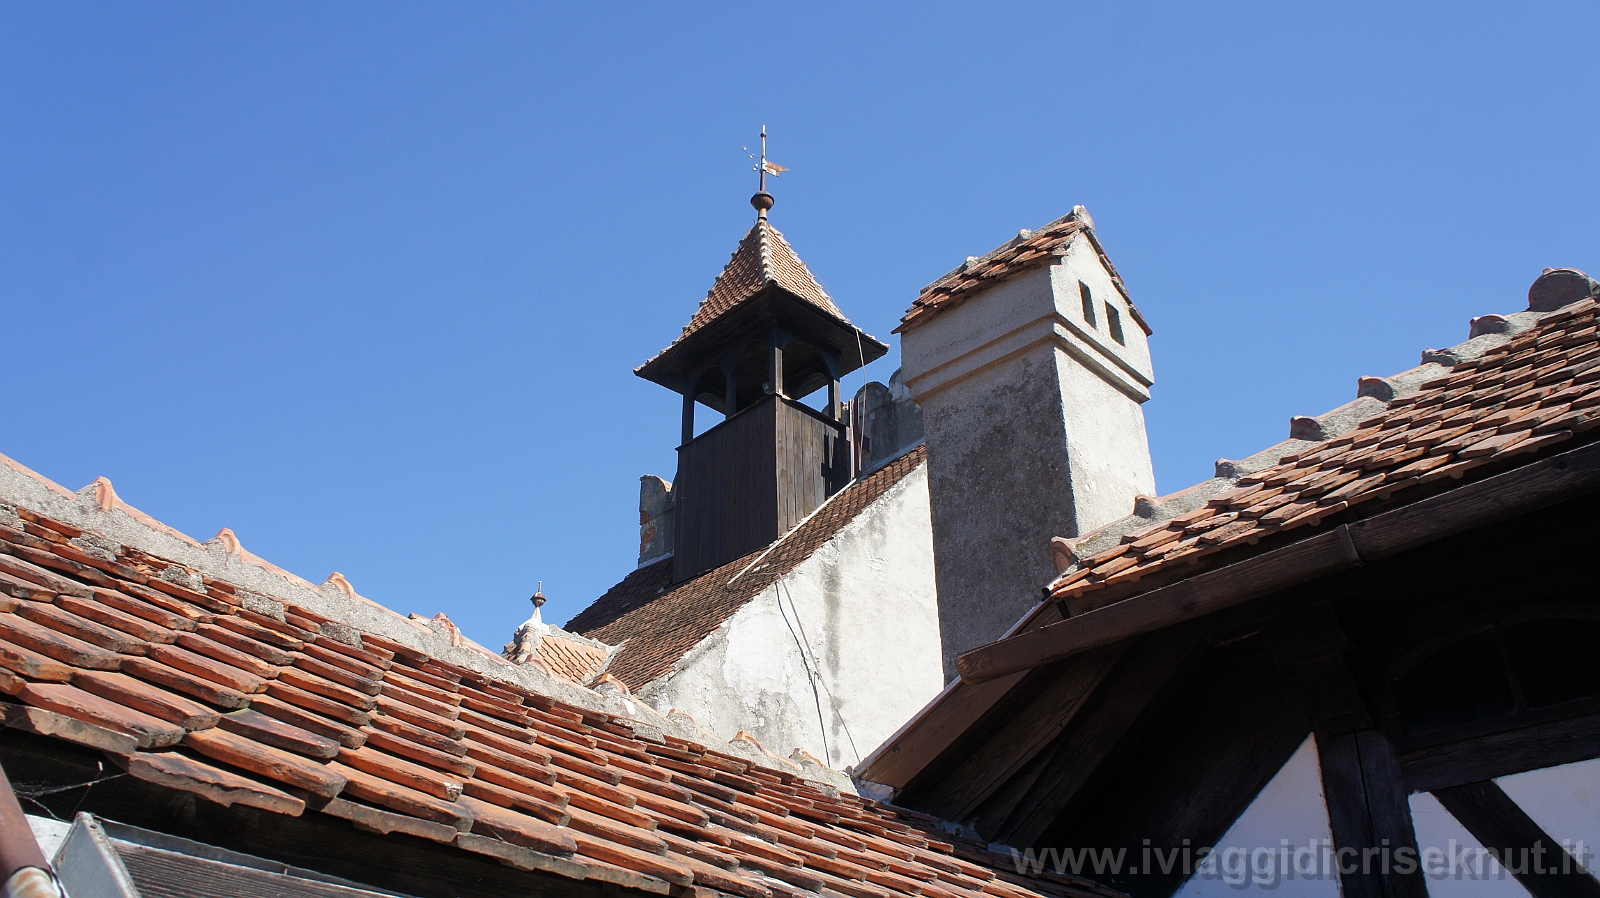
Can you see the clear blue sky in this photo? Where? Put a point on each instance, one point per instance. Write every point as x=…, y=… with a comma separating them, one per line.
x=367, y=282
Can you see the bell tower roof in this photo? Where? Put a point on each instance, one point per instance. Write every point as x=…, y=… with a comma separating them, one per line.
x=764, y=279
x=764, y=259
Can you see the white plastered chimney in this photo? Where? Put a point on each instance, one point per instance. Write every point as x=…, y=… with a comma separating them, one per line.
x=1032, y=390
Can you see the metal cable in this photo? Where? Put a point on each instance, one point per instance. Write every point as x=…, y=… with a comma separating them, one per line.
x=814, y=670
x=822, y=721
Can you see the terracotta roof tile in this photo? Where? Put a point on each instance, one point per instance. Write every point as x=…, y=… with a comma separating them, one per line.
x=556, y=653
x=764, y=258
x=183, y=772
x=1518, y=400
x=1028, y=250
x=196, y=693
x=656, y=622
x=570, y=659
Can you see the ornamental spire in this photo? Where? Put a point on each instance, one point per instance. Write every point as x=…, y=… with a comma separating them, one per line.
x=763, y=200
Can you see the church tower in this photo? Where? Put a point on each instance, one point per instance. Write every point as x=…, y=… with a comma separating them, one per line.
x=764, y=338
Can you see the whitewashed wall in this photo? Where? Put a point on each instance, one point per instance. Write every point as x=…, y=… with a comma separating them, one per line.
x=1278, y=845
x=1454, y=862
x=865, y=603
x=1035, y=429
x=1565, y=802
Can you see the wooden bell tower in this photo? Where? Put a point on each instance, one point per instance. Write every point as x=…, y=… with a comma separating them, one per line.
x=766, y=336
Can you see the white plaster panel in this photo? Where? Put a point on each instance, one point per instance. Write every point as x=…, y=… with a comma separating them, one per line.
x=1107, y=446
x=1455, y=864
x=866, y=606
x=1082, y=263
x=1564, y=801
x=1279, y=837
x=1044, y=303
x=955, y=337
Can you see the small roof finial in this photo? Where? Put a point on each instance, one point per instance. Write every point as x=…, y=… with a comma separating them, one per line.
x=535, y=624
x=763, y=200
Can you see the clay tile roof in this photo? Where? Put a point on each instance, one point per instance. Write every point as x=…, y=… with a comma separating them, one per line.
x=1534, y=394
x=656, y=622
x=556, y=654
x=1027, y=251
x=763, y=259
x=569, y=659
x=189, y=689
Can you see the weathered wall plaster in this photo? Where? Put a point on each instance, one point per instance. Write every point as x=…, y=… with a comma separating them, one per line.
x=864, y=608
x=1034, y=429
x=1107, y=450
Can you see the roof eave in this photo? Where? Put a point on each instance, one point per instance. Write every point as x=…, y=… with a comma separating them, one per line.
x=1522, y=489
x=855, y=346
x=1044, y=634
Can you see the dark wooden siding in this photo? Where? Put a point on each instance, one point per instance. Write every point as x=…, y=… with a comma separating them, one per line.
x=727, y=503
x=809, y=465
x=747, y=481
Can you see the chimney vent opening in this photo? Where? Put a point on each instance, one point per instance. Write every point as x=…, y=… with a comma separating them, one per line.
x=1114, y=322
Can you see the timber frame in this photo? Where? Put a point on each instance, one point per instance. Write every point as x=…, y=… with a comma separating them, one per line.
x=1161, y=717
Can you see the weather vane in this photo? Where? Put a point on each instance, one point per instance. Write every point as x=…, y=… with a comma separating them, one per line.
x=763, y=200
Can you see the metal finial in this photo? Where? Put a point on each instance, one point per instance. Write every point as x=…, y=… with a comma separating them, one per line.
x=538, y=596
x=763, y=200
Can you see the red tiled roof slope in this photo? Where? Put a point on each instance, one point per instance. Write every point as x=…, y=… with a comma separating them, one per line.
x=1536, y=393
x=556, y=655
x=1028, y=250
x=656, y=622
x=188, y=688
x=763, y=258
x=569, y=659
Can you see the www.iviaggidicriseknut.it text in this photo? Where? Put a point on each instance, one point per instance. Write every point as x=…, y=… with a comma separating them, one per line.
x=1266, y=865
